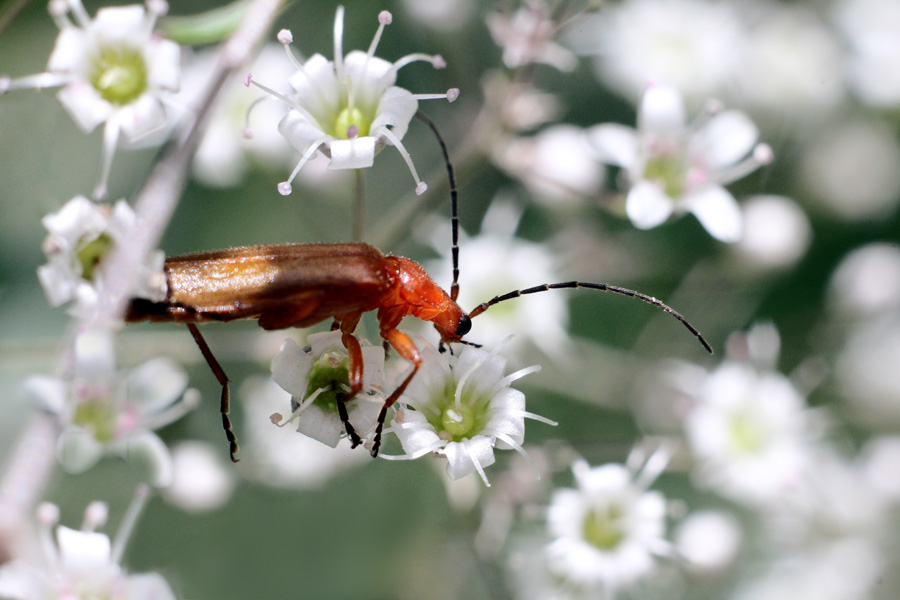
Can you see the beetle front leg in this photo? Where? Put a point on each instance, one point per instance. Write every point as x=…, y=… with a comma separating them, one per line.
x=405, y=347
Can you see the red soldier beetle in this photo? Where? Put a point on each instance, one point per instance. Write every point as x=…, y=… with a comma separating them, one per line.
x=299, y=285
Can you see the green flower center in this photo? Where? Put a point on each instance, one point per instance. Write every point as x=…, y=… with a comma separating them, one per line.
x=747, y=436
x=453, y=422
x=119, y=75
x=97, y=415
x=351, y=116
x=603, y=527
x=668, y=170
x=331, y=373
x=90, y=253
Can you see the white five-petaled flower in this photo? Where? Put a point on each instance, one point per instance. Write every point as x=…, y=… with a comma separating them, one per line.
x=105, y=411
x=114, y=70
x=80, y=235
x=461, y=407
x=81, y=563
x=674, y=167
x=349, y=108
x=608, y=530
x=318, y=376
x=528, y=36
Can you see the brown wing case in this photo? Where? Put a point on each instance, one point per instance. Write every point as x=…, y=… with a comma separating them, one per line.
x=282, y=285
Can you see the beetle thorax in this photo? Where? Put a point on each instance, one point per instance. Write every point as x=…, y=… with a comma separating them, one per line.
x=415, y=293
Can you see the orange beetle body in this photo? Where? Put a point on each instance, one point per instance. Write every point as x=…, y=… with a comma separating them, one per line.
x=299, y=285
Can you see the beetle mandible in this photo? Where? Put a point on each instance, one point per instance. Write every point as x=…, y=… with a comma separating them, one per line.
x=299, y=285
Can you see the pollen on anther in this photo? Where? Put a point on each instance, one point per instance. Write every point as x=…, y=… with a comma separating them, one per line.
x=247, y=133
x=420, y=188
x=247, y=79
x=452, y=94
x=438, y=62
x=285, y=36
x=763, y=153
x=284, y=188
x=385, y=18
x=352, y=132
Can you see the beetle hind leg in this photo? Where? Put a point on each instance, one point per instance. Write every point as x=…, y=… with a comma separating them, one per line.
x=355, y=440
x=225, y=403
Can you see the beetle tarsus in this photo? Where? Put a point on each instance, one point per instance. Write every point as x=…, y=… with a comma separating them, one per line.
x=355, y=440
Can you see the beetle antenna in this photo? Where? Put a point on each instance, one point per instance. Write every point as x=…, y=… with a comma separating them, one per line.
x=593, y=286
x=454, y=220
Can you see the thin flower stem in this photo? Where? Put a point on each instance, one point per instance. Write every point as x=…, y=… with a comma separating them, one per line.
x=27, y=472
x=359, y=207
x=10, y=12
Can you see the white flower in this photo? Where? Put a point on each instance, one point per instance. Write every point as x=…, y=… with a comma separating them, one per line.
x=277, y=456
x=114, y=70
x=557, y=164
x=318, y=376
x=709, y=540
x=867, y=372
x=871, y=28
x=80, y=235
x=461, y=407
x=81, y=563
x=496, y=262
x=201, y=481
x=695, y=45
x=790, y=67
x=529, y=36
x=675, y=167
x=608, y=530
x=776, y=231
x=850, y=167
x=350, y=108
x=867, y=281
x=104, y=411
x=749, y=433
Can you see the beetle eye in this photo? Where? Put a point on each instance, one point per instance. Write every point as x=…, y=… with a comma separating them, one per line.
x=465, y=325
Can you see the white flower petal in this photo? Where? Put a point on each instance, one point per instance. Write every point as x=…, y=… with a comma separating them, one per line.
x=299, y=131
x=85, y=105
x=371, y=75
x=147, y=586
x=77, y=450
x=724, y=140
x=661, y=112
x=647, y=206
x=290, y=367
x=396, y=108
x=164, y=65
x=718, y=212
x=316, y=89
x=615, y=144
x=155, y=385
x=150, y=455
x=140, y=119
x=321, y=424
x=82, y=552
x=461, y=461
x=124, y=24
x=357, y=153
x=48, y=393
x=69, y=52
x=57, y=282
x=415, y=433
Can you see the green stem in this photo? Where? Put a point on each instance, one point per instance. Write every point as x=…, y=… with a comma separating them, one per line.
x=359, y=207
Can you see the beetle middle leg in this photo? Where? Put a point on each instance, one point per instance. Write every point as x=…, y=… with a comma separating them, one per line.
x=219, y=372
x=405, y=347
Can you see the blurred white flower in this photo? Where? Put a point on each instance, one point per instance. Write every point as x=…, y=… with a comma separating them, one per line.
x=847, y=571
x=442, y=15
x=608, y=530
x=789, y=69
x=277, y=456
x=777, y=232
x=709, y=540
x=80, y=235
x=495, y=262
x=81, y=563
x=694, y=45
x=229, y=147
x=105, y=411
x=556, y=165
x=851, y=169
x=749, y=433
x=201, y=481
x=528, y=36
x=114, y=70
x=675, y=167
x=867, y=281
x=460, y=406
x=867, y=372
x=349, y=108
x=871, y=29
x=318, y=377
x=880, y=457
